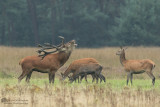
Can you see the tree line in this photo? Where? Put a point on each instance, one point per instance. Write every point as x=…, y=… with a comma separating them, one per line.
x=92, y=23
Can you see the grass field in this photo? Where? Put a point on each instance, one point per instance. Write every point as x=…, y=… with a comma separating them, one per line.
x=113, y=93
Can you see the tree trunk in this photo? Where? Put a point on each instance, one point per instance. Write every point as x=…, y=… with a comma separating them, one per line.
x=53, y=19
x=32, y=11
x=3, y=30
x=2, y=33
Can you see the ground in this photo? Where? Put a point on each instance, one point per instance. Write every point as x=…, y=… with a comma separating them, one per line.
x=113, y=93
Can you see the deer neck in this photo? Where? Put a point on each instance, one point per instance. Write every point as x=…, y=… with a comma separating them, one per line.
x=63, y=57
x=122, y=58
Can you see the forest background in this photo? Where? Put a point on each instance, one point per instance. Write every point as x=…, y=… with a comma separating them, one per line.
x=92, y=23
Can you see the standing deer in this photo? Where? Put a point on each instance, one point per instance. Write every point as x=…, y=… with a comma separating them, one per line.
x=83, y=67
x=136, y=66
x=47, y=62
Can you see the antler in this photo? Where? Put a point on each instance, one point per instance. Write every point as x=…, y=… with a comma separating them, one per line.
x=49, y=46
x=62, y=44
x=46, y=53
x=46, y=47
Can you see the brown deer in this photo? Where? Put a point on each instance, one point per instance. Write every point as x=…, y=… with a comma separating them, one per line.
x=136, y=66
x=83, y=74
x=88, y=69
x=83, y=67
x=47, y=62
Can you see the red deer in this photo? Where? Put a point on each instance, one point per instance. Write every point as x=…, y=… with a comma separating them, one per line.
x=87, y=69
x=47, y=62
x=136, y=66
x=83, y=67
x=83, y=74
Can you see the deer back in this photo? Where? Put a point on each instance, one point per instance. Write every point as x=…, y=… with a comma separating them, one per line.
x=75, y=65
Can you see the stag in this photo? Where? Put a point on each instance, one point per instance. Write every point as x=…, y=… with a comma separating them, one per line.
x=136, y=66
x=47, y=62
x=83, y=67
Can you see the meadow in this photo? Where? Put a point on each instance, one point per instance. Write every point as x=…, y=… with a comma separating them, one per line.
x=113, y=93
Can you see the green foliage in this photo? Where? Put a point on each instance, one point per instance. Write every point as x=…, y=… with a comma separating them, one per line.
x=137, y=24
x=92, y=23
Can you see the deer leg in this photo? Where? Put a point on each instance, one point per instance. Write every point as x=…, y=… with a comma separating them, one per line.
x=98, y=73
x=73, y=77
x=21, y=76
x=50, y=77
x=75, y=80
x=96, y=76
x=93, y=77
x=97, y=79
x=28, y=77
x=53, y=77
x=104, y=79
x=152, y=77
x=131, y=77
x=128, y=76
x=82, y=76
x=86, y=77
x=101, y=78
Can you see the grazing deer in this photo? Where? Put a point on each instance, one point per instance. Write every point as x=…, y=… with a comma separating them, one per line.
x=83, y=67
x=47, y=62
x=136, y=66
x=83, y=74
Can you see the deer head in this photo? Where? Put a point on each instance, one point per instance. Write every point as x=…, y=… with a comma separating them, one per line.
x=63, y=77
x=121, y=51
x=68, y=47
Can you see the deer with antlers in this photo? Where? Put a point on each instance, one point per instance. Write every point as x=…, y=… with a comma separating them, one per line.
x=136, y=66
x=48, y=62
x=83, y=67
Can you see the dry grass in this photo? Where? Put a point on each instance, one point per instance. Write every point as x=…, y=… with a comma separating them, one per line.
x=90, y=95
x=80, y=95
x=10, y=57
